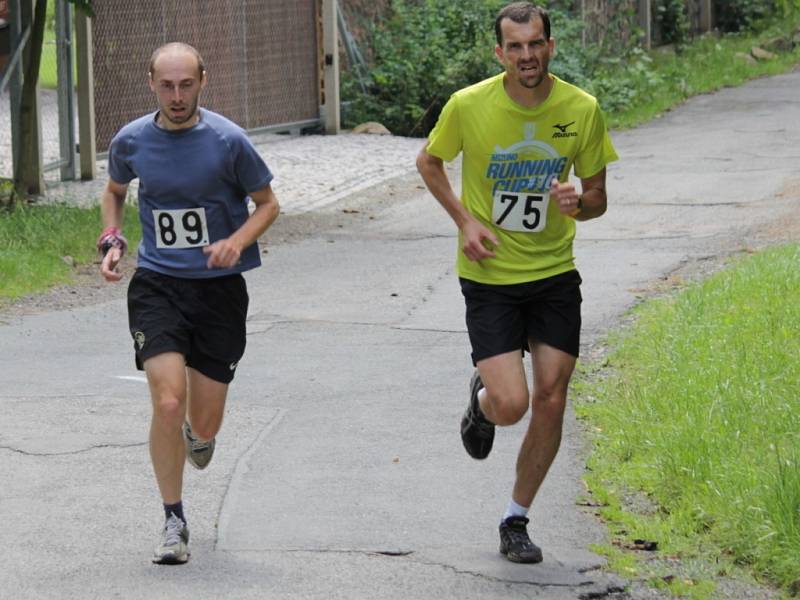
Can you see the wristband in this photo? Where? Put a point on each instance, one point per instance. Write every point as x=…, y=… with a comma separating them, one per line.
x=111, y=238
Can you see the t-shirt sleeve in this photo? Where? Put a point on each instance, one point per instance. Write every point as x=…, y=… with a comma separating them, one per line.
x=251, y=170
x=597, y=151
x=445, y=139
x=119, y=167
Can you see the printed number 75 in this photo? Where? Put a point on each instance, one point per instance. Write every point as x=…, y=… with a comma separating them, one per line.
x=530, y=208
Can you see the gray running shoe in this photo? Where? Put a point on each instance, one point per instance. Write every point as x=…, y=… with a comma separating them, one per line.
x=174, y=548
x=198, y=452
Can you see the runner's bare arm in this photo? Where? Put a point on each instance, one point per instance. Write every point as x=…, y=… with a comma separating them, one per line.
x=431, y=168
x=112, y=206
x=225, y=253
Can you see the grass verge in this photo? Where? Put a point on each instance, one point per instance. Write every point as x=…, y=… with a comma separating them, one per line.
x=41, y=245
x=645, y=85
x=697, y=430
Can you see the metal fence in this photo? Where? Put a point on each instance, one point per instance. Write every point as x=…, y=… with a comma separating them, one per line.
x=261, y=56
x=56, y=99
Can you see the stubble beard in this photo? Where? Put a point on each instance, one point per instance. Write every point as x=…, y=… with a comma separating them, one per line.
x=181, y=120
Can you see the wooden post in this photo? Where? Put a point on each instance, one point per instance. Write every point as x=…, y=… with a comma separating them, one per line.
x=645, y=20
x=29, y=171
x=706, y=15
x=330, y=47
x=86, y=123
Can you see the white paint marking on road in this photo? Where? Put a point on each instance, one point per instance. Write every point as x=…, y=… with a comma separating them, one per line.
x=131, y=378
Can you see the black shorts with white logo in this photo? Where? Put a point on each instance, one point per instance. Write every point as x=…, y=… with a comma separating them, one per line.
x=503, y=318
x=203, y=319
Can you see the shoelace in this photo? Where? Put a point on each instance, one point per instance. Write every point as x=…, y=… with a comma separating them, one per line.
x=480, y=422
x=520, y=537
x=197, y=445
x=172, y=531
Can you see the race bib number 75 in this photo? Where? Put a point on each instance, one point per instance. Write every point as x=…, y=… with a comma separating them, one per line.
x=520, y=211
x=184, y=228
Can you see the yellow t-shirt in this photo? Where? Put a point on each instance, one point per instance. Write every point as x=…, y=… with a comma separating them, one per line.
x=511, y=154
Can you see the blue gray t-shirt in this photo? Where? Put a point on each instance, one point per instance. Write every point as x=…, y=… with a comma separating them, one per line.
x=193, y=188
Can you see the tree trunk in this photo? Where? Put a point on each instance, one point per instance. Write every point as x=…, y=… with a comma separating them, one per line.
x=28, y=177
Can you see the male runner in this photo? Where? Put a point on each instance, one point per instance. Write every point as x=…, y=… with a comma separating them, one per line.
x=187, y=300
x=520, y=133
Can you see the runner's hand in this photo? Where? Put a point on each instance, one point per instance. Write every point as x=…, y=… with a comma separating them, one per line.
x=222, y=254
x=108, y=268
x=479, y=241
x=565, y=196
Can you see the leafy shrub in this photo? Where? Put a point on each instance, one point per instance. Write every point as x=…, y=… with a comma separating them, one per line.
x=739, y=15
x=673, y=22
x=428, y=49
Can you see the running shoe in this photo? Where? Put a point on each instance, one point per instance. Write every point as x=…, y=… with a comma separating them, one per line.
x=174, y=548
x=477, y=432
x=198, y=452
x=515, y=543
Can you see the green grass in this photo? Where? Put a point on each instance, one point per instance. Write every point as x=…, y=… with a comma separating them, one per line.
x=35, y=239
x=647, y=84
x=48, y=69
x=697, y=425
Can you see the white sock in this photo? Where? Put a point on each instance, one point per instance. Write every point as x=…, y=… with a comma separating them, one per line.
x=515, y=510
x=481, y=397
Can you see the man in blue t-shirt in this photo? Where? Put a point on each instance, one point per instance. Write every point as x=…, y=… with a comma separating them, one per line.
x=187, y=300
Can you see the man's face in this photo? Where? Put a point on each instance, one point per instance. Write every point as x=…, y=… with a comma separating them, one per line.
x=177, y=82
x=525, y=53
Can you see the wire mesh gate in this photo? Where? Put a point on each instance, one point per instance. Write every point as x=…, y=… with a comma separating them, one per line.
x=261, y=56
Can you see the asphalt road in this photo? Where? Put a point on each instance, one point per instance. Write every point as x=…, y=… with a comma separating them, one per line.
x=339, y=472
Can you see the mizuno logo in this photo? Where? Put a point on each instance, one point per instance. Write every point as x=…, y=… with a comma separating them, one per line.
x=563, y=128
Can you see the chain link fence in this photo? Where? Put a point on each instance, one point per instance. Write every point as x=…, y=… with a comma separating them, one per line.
x=262, y=58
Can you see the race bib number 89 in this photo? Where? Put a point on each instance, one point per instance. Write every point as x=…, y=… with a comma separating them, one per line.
x=520, y=211
x=185, y=228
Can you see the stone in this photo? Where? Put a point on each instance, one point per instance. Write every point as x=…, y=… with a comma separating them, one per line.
x=746, y=58
x=371, y=127
x=761, y=54
x=778, y=44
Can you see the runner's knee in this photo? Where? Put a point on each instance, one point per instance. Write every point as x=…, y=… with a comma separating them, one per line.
x=170, y=411
x=508, y=407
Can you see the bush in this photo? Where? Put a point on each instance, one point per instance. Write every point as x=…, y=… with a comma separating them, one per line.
x=427, y=50
x=740, y=15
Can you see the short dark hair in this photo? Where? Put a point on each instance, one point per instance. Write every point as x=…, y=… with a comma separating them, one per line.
x=201, y=66
x=521, y=12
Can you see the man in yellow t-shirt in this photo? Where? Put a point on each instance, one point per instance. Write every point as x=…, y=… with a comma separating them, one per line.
x=520, y=132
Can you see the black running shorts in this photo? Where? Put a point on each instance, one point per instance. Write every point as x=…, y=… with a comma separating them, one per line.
x=203, y=319
x=502, y=318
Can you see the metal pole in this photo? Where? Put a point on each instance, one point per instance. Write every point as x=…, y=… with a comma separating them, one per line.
x=66, y=89
x=330, y=44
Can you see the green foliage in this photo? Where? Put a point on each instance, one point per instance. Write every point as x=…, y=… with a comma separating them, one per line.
x=421, y=55
x=641, y=85
x=427, y=50
x=742, y=15
x=430, y=48
x=701, y=416
x=673, y=23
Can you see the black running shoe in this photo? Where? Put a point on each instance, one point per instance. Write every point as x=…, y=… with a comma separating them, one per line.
x=515, y=543
x=477, y=432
